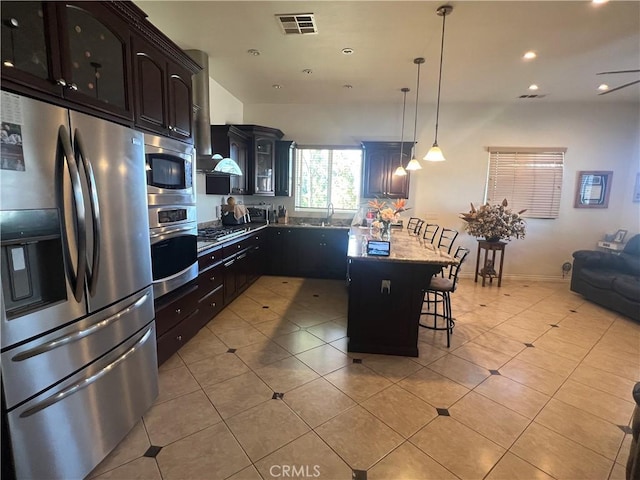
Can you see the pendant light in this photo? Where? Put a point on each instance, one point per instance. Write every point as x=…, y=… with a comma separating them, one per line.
x=400, y=171
x=435, y=154
x=415, y=164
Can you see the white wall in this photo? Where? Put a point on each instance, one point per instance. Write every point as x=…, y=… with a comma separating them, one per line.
x=224, y=108
x=598, y=136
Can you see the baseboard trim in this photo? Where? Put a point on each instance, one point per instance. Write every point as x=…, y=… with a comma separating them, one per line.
x=530, y=278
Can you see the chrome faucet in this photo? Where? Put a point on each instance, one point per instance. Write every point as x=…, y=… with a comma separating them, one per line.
x=330, y=212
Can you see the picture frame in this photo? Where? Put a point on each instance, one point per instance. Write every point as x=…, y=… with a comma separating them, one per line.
x=593, y=188
x=619, y=236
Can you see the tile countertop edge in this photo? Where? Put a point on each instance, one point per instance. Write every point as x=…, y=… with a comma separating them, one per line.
x=404, y=249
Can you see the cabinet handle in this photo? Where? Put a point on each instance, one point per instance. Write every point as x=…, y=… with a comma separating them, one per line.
x=179, y=338
x=61, y=82
x=213, y=257
x=171, y=128
x=178, y=311
x=213, y=279
x=239, y=246
x=73, y=87
x=213, y=304
x=13, y=23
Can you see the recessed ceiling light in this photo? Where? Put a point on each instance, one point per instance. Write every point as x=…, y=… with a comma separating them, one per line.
x=603, y=87
x=8, y=63
x=308, y=71
x=347, y=86
x=347, y=51
x=533, y=86
x=530, y=55
x=254, y=52
x=276, y=86
x=597, y=2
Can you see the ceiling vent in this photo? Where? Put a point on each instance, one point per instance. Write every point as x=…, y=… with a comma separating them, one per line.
x=533, y=96
x=297, y=23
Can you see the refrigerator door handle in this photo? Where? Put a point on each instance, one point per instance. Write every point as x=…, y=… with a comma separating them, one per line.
x=110, y=362
x=63, y=151
x=92, y=272
x=73, y=337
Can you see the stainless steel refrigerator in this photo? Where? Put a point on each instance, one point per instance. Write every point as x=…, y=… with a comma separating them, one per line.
x=78, y=342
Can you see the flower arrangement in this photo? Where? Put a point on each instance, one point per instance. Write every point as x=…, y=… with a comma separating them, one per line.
x=494, y=222
x=385, y=215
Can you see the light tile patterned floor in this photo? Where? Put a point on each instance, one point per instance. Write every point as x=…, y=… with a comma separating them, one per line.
x=289, y=402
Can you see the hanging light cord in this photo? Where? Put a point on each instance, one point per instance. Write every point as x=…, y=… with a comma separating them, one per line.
x=444, y=19
x=415, y=121
x=404, y=108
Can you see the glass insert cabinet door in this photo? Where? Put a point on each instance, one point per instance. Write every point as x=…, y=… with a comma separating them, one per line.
x=23, y=39
x=97, y=58
x=264, y=166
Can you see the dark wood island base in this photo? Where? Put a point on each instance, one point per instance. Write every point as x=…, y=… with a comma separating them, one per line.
x=386, y=293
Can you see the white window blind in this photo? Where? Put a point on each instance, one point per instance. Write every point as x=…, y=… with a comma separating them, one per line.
x=327, y=175
x=529, y=178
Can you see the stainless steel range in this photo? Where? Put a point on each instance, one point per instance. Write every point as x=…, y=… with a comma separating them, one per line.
x=221, y=233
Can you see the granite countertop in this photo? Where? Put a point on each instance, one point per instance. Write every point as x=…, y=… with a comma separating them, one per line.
x=309, y=225
x=404, y=248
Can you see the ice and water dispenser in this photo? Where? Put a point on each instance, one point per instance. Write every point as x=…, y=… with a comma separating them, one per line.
x=32, y=260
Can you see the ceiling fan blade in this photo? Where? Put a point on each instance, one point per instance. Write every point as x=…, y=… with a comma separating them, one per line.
x=618, y=71
x=621, y=86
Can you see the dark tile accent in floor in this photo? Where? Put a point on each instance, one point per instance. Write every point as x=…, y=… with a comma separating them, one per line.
x=494, y=372
x=285, y=282
x=316, y=295
x=152, y=451
x=277, y=396
x=554, y=325
x=265, y=306
x=443, y=411
x=507, y=294
x=626, y=429
x=359, y=475
x=483, y=305
x=231, y=350
x=573, y=311
x=530, y=345
x=357, y=360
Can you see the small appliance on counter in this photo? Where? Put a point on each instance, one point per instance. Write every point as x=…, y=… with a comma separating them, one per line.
x=234, y=213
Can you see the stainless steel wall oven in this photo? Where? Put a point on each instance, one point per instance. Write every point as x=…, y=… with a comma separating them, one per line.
x=173, y=228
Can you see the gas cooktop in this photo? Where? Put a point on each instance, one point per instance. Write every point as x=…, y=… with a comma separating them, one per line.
x=220, y=234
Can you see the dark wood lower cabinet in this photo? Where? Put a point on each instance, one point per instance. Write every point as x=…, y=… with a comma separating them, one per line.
x=224, y=272
x=385, y=300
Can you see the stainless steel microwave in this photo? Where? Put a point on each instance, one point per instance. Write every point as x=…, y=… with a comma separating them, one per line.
x=169, y=166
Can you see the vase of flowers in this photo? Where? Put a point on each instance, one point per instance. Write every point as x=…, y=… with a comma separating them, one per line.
x=494, y=222
x=385, y=215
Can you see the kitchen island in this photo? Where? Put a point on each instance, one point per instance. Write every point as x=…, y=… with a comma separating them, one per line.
x=386, y=293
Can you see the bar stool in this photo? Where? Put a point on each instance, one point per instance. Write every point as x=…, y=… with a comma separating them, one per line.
x=441, y=289
x=430, y=232
x=418, y=229
x=447, y=238
x=411, y=224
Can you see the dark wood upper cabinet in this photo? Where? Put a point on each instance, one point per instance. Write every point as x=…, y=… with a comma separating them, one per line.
x=231, y=142
x=150, y=74
x=102, y=58
x=261, y=159
x=30, y=46
x=380, y=161
x=284, y=167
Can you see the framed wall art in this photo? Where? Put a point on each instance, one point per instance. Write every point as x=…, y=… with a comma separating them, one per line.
x=592, y=189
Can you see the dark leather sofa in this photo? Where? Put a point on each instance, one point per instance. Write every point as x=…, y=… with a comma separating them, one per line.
x=608, y=279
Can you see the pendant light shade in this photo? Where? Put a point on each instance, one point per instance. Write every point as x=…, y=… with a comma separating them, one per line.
x=400, y=171
x=435, y=154
x=413, y=163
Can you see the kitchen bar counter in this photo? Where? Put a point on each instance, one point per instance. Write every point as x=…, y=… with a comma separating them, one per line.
x=386, y=293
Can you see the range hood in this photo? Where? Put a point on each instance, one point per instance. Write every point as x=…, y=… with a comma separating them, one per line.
x=205, y=161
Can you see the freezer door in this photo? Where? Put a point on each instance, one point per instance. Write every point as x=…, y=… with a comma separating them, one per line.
x=111, y=159
x=33, y=169
x=31, y=367
x=67, y=430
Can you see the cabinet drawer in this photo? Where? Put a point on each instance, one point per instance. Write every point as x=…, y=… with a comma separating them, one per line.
x=238, y=246
x=210, y=305
x=210, y=279
x=210, y=257
x=170, y=314
x=176, y=337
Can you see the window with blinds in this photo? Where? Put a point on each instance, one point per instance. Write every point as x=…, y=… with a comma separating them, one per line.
x=328, y=175
x=529, y=178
